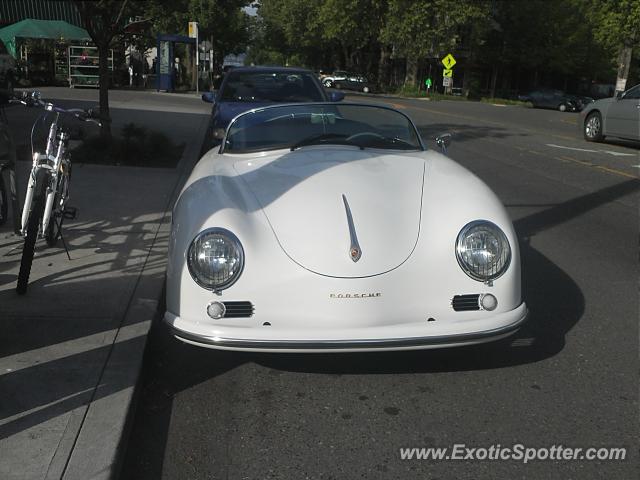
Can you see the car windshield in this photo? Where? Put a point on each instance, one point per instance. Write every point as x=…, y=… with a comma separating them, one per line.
x=296, y=126
x=270, y=87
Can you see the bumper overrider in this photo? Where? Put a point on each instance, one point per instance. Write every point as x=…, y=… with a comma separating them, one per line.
x=380, y=338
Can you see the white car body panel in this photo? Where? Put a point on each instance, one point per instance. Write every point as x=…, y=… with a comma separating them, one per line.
x=286, y=209
x=318, y=239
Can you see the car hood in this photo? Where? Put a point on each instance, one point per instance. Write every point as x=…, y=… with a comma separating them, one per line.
x=303, y=193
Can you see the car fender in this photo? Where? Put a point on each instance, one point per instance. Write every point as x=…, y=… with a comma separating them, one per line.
x=600, y=106
x=454, y=197
x=213, y=196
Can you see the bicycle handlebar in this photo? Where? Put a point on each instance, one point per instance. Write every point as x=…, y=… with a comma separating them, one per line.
x=32, y=99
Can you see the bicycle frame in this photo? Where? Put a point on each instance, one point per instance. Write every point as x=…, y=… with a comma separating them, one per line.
x=47, y=190
x=58, y=165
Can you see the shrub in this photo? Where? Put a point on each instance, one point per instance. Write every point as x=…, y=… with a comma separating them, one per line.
x=135, y=147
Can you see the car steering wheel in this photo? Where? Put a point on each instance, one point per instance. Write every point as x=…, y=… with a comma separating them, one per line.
x=364, y=134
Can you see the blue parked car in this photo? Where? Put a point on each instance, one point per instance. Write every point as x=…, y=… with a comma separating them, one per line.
x=245, y=88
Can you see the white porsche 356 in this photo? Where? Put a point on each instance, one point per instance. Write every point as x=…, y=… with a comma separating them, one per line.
x=330, y=227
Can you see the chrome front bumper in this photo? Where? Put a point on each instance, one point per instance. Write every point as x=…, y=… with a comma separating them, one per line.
x=351, y=345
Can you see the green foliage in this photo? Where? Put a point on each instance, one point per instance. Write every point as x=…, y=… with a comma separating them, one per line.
x=552, y=38
x=105, y=19
x=416, y=92
x=222, y=22
x=505, y=101
x=131, y=130
x=615, y=22
x=136, y=147
x=429, y=27
x=291, y=28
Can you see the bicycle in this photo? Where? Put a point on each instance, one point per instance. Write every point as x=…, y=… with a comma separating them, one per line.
x=7, y=169
x=45, y=204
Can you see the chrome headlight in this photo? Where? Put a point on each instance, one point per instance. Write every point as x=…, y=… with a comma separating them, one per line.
x=483, y=251
x=215, y=259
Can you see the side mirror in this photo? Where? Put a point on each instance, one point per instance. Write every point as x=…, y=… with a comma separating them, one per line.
x=209, y=97
x=619, y=95
x=443, y=141
x=336, y=96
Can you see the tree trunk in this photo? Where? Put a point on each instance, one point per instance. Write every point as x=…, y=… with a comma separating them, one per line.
x=105, y=117
x=347, y=58
x=412, y=72
x=624, y=60
x=188, y=63
x=494, y=80
x=384, y=68
x=372, y=53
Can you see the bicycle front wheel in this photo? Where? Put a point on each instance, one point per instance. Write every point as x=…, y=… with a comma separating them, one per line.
x=33, y=225
x=54, y=228
x=15, y=204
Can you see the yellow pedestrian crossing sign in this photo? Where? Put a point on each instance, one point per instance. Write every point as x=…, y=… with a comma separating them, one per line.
x=448, y=61
x=447, y=72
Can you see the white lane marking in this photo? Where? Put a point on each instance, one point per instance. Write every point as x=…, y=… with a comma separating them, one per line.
x=571, y=148
x=610, y=152
x=619, y=154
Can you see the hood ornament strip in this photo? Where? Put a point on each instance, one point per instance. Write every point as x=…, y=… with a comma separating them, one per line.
x=355, y=252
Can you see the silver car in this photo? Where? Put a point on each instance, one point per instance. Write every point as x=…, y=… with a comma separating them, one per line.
x=615, y=117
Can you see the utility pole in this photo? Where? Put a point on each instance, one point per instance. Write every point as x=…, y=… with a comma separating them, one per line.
x=624, y=60
x=197, y=62
x=193, y=33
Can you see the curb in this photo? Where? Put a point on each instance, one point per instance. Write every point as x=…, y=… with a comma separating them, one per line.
x=99, y=448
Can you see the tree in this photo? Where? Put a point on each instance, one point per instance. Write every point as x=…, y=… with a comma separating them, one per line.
x=354, y=27
x=292, y=28
x=428, y=28
x=617, y=27
x=223, y=22
x=105, y=21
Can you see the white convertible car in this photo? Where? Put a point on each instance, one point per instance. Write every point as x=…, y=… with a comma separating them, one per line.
x=330, y=227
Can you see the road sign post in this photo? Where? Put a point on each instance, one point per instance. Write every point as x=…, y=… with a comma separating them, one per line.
x=447, y=74
x=448, y=61
x=193, y=33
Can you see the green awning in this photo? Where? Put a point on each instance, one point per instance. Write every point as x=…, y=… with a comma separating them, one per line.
x=30, y=28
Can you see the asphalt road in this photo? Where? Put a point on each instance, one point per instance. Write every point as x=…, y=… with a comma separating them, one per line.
x=569, y=377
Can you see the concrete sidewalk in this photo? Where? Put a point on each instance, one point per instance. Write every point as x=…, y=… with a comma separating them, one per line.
x=71, y=349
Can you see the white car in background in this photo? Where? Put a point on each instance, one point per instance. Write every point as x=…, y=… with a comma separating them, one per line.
x=329, y=81
x=616, y=117
x=330, y=227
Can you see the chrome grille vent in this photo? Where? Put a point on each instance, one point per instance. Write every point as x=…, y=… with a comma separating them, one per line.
x=463, y=303
x=238, y=309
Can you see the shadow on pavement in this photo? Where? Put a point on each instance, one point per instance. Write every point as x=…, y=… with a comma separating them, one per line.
x=463, y=132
